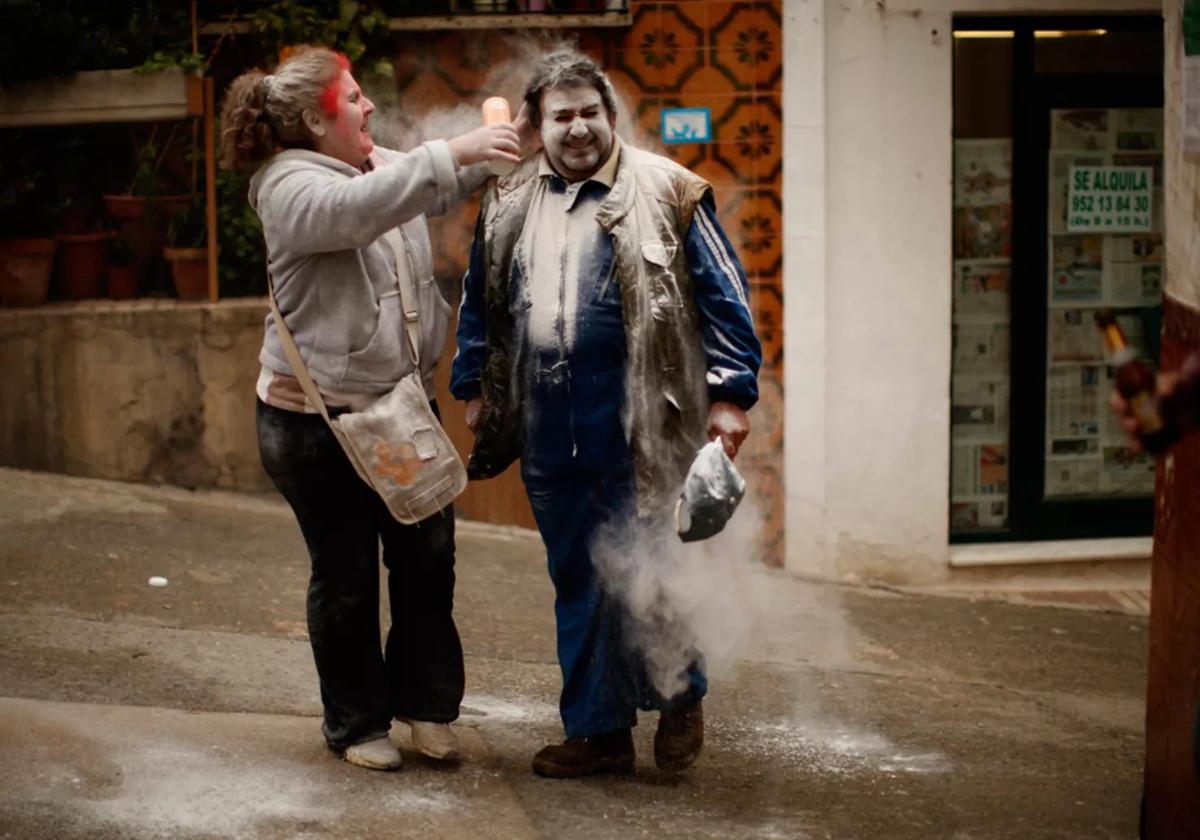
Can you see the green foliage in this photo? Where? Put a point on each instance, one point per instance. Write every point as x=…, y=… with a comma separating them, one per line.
x=185, y=61
x=189, y=229
x=352, y=27
x=57, y=37
x=242, y=261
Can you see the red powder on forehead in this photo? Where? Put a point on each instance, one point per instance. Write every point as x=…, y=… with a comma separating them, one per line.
x=329, y=96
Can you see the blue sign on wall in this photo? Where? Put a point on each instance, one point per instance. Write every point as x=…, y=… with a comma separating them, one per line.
x=686, y=125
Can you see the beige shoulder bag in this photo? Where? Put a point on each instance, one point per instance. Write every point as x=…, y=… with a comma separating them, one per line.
x=396, y=444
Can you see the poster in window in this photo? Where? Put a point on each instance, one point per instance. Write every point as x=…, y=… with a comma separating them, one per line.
x=972, y=516
x=981, y=288
x=980, y=347
x=982, y=172
x=1072, y=476
x=978, y=469
x=1138, y=130
x=1077, y=271
x=1074, y=402
x=983, y=232
x=1072, y=337
x=1060, y=171
x=1126, y=472
x=1079, y=130
x=979, y=408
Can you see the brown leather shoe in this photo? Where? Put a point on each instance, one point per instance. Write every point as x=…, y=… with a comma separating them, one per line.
x=680, y=737
x=611, y=752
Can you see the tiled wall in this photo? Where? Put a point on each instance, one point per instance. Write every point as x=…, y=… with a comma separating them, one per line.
x=723, y=55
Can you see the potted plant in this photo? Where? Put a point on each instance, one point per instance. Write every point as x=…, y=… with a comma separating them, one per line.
x=82, y=245
x=187, y=252
x=142, y=213
x=121, y=274
x=26, y=246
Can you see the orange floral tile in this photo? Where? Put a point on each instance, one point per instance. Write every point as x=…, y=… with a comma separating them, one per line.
x=644, y=66
x=768, y=115
x=754, y=224
x=766, y=302
x=464, y=62
x=450, y=236
x=413, y=58
x=707, y=81
x=596, y=43
x=680, y=35
x=696, y=11
x=747, y=45
x=649, y=11
x=766, y=419
x=629, y=91
x=743, y=140
x=717, y=174
x=766, y=494
x=647, y=126
x=427, y=92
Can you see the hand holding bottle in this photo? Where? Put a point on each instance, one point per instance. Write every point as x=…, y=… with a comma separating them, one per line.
x=488, y=143
x=1140, y=398
x=1165, y=391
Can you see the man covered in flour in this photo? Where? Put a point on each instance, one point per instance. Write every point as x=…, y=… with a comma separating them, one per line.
x=604, y=336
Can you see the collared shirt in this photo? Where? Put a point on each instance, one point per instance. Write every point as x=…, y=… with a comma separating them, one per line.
x=563, y=252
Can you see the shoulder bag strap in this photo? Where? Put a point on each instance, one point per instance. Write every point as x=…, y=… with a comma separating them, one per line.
x=408, y=297
x=292, y=352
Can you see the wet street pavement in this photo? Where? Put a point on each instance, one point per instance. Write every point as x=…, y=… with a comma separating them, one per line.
x=191, y=710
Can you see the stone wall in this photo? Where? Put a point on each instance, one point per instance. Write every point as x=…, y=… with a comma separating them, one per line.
x=148, y=390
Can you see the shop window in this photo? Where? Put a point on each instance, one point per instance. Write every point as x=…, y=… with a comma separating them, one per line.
x=1058, y=141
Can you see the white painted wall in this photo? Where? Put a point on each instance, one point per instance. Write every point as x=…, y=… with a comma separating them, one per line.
x=867, y=293
x=1182, y=177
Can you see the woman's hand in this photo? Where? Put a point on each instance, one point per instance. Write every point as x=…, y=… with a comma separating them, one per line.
x=530, y=137
x=489, y=142
x=729, y=423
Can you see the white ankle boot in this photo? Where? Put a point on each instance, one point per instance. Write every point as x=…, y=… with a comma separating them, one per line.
x=380, y=754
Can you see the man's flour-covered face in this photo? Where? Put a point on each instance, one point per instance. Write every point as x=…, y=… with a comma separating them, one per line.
x=577, y=131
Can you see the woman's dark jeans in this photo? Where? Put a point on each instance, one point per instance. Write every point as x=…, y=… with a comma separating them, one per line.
x=419, y=673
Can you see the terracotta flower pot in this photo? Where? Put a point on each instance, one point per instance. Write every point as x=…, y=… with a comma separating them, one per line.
x=121, y=281
x=189, y=270
x=81, y=259
x=25, y=271
x=145, y=231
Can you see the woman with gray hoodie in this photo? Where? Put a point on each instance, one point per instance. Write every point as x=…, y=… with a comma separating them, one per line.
x=327, y=198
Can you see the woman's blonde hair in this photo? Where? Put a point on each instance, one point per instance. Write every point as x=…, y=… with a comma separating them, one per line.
x=265, y=112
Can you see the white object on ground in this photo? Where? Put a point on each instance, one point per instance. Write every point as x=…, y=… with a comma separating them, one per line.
x=157, y=581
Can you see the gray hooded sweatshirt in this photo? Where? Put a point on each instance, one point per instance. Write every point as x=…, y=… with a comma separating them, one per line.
x=332, y=235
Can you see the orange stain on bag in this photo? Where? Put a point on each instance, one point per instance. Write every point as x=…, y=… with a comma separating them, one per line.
x=399, y=462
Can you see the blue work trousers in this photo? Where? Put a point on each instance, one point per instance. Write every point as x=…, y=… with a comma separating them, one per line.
x=604, y=676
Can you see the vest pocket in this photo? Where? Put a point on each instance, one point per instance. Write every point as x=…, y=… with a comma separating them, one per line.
x=657, y=258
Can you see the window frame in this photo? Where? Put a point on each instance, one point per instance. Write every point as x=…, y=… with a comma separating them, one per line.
x=1030, y=515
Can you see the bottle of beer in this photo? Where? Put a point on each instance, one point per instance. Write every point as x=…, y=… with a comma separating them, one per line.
x=1135, y=382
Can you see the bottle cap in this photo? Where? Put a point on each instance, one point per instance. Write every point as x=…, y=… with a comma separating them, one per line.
x=495, y=111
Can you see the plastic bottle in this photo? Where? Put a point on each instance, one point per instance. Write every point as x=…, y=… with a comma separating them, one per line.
x=495, y=111
x=1135, y=382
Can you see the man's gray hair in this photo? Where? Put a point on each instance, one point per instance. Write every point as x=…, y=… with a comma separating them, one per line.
x=567, y=68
